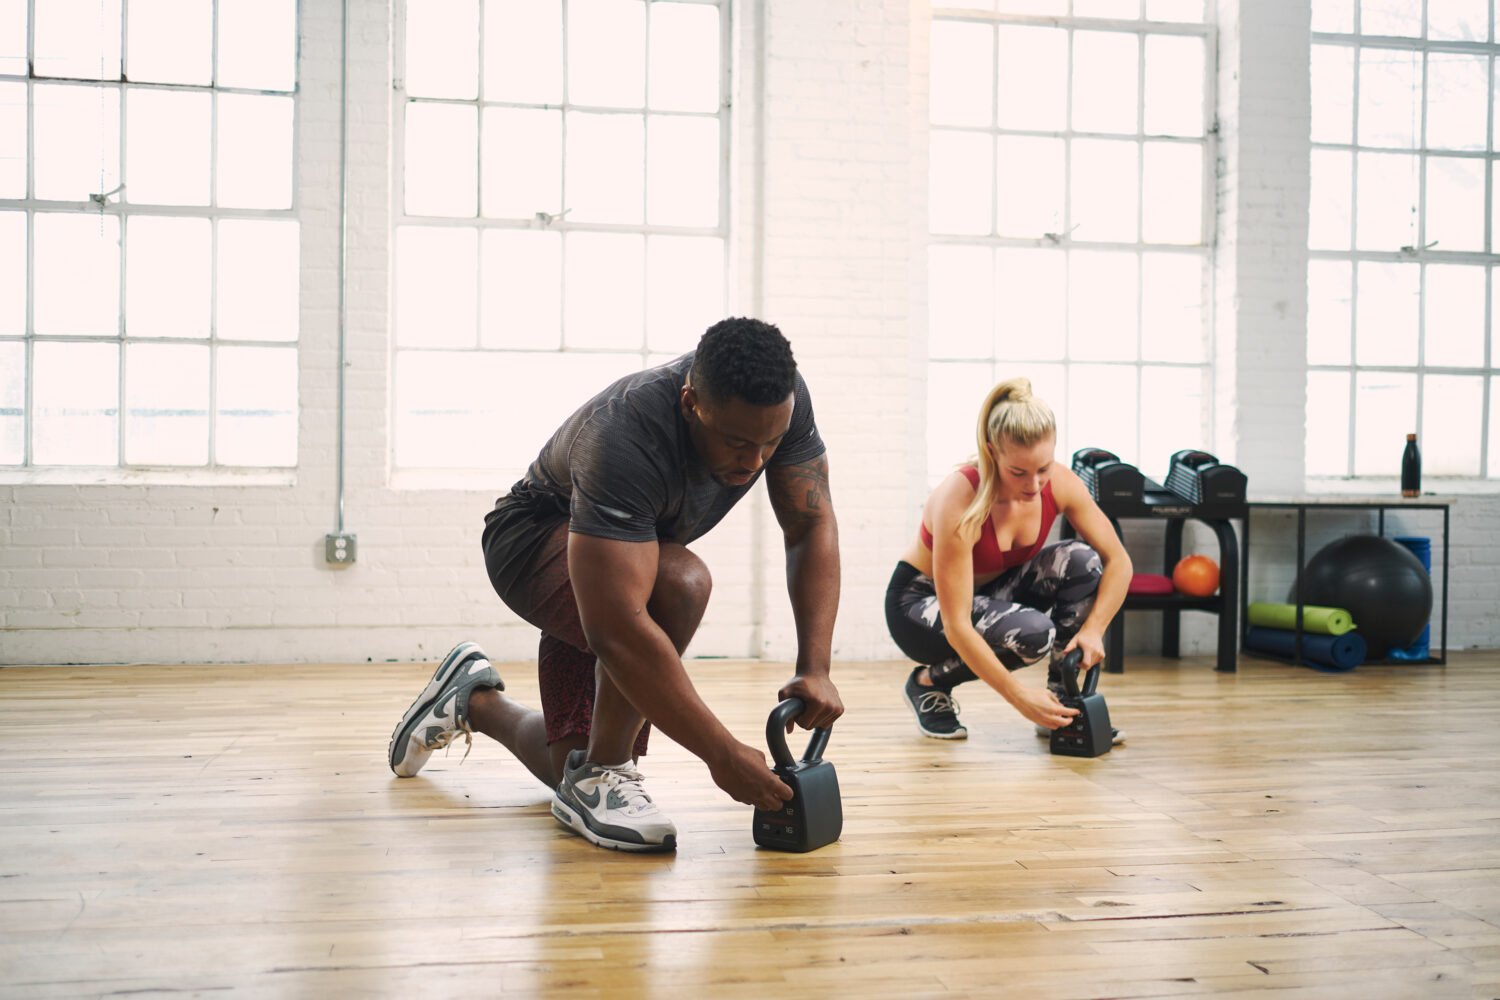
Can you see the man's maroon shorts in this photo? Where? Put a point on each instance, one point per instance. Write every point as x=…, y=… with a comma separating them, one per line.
x=543, y=596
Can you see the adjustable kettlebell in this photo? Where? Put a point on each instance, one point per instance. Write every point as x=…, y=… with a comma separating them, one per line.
x=1089, y=734
x=814, y=816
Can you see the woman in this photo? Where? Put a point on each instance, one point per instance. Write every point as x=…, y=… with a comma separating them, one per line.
x=979, y=593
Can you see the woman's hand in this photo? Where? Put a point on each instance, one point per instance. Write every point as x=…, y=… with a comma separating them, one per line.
x=1042, y=707
x=1092, y=645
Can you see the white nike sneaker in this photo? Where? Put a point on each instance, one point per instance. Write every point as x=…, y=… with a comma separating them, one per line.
x=607, y=806
x=441, y=711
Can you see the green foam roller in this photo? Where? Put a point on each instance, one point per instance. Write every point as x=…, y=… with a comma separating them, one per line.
x=1325, y=621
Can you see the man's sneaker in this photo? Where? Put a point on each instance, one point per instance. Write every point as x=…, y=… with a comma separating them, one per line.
x=441, y=711
x=935, y=709
x=607, y=806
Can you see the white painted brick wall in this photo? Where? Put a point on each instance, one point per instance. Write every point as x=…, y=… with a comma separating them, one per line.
x=829, y=218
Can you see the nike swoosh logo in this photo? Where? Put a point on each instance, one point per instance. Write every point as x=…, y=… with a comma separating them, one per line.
x=478, y=667
x=591, y=800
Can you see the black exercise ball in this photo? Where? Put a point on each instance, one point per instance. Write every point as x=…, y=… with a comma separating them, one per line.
x=1380, y=583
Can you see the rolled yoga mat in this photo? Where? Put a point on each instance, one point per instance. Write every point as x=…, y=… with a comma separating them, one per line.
x=1324, y=652
x=1326, y=621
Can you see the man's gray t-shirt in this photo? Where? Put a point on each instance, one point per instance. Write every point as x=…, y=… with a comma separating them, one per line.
x=623, y=466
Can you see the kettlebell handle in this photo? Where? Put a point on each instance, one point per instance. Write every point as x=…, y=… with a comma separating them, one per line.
x=1068, y=668
x=776, y=734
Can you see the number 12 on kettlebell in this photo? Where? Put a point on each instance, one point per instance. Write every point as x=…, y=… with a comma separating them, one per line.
x=814, y=816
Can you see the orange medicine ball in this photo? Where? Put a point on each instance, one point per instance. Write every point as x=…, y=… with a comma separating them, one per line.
x=1196, y=576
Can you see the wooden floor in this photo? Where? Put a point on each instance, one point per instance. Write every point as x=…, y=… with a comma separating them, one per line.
x=203, y=830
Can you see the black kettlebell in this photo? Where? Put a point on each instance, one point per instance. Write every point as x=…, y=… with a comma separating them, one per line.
x=814, y=816
x=1089, y=734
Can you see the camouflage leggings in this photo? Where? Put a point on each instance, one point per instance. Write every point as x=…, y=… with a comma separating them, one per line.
x=1024, y=613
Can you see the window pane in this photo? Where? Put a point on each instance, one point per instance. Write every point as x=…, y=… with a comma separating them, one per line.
x=170, y=41
x=682, y=171
x=13, y=37
x=1174, y=85
x=522, y=162
x=76, y=141
x=521, y=288
x=606, y=53
x=13, y=150
x=442, y=161
x=1174, y=410
x=1092, y=422
x=1033, y=78
x=604, y=295
x=1031, y=175
x=1173, y=190
x=255, y=151
x=1031, y=303
x=442, y=49
x=604, y=168
x=1385, y=412
x=258, y=44
x=960, y=302
x=437, y=297
x=1330, y=201
x=1104, y=190
x=523, y=51
x=1386, y=314
x=1102, y=307
x=1455, y=203
x=12, y=402
x=1327, y=440
x=1104, y=81
x=1126, y=9
x=168, y=271
x=1021, y=7
x=1174, y=10
x=954, y=392
x=1387, y=201
x=448, y=414
x=1458, y=88
x=1329, y=312
x=685, y=57
x=76, y=286
x=75, y=389
x=1458, y=20
x=78, y=38
x=963, y=71
x=1390, y=82
x=1172, y=327
x=684, y=290
x=961, y=182
x=1454, y=329
x=258, y=274
x=12, y=273
x=166, y=404
x=1383, y=17
x=1332, y=93
x=256, y=422
x=166, y=147
x=1452, y=409
x=1333, y=16
x=1493, y=467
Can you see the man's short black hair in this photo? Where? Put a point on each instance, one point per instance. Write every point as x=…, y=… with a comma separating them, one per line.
x=742, y=358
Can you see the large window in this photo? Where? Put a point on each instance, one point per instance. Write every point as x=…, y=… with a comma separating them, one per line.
x=1069, y=213
x=562, y=211
x=148, y=233
x=1403, y=236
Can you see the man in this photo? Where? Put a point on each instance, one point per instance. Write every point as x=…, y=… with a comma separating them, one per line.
x=590, y=546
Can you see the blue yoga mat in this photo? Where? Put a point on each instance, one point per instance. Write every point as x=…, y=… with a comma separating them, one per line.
x=1324, y=652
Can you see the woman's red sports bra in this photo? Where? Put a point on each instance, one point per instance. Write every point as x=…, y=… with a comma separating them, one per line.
x=987, y=555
